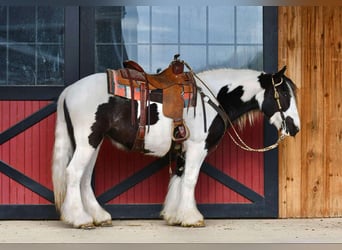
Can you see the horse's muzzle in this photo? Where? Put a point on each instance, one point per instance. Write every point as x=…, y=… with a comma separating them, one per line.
x=291, y=127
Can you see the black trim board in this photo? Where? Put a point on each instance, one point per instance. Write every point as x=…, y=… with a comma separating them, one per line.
x=27, y=182
x=231, y=183
x=270, y=38
x=134, y=211
x=28, y=122
x=133, y=180
x=30, y=93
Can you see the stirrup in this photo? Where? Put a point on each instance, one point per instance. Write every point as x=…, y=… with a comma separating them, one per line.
x=180, y=132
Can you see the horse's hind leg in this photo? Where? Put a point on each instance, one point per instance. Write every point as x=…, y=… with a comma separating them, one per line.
x=93, y=208
x=187, y=212
x=72, y=210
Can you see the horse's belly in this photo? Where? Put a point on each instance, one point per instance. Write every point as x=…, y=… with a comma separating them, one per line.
x=158, y=138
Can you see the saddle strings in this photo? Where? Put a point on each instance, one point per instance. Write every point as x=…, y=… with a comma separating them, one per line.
x=226, y=118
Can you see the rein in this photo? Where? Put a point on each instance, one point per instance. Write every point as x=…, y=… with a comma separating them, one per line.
x=239, y=141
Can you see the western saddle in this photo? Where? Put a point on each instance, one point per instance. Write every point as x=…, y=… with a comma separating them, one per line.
x=178, y=90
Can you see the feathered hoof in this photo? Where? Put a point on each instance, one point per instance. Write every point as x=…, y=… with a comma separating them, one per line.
x=107, y=223
x=88, y=226
x=197, y=224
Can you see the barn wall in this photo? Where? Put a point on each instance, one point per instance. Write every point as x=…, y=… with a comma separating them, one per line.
x=310, y=169
x=30, y=152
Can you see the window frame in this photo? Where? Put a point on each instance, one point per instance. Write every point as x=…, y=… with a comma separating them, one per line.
x=79, y=43
x=71, y=65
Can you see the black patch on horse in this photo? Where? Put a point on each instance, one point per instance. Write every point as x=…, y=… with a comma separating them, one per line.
x=113, y=119
x=234, y=107
x=270, y=106
x=70, y=128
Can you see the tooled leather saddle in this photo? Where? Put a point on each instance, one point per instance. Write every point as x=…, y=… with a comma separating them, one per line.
x=173, y=87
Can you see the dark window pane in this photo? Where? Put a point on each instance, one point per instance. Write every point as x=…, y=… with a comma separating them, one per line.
x=21, y=69
x=50, y=24
x=32, y=45
x=3, y=74
x=3, y=24
x=22, y=24
x=50, y=65
x=108, y=24
x=109, y=56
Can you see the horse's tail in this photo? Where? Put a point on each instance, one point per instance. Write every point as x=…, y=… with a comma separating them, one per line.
x=62, y=152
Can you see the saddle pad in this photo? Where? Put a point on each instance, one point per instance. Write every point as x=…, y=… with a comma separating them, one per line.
x=118, y=85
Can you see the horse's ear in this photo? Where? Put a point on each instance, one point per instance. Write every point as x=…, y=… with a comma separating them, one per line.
x=263, y=80
x=282, y=71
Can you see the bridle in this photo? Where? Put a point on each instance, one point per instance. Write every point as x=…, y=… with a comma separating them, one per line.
x=224, y=116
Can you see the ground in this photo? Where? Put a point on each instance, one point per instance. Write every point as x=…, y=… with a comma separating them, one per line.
x=326, y=230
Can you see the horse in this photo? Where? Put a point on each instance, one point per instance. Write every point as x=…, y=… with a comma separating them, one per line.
x=87, y=114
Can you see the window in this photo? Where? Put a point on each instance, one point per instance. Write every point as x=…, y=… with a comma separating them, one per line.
x=44, y=48
x=224, y=36
x=32, y=44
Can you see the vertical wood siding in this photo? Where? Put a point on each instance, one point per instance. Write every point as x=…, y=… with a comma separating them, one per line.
x=310, y=181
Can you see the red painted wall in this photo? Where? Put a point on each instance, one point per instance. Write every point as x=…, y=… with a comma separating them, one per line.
x=31, y=151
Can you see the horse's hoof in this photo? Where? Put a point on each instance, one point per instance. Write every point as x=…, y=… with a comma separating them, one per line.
x=172, y=223
x=88, y=226
x=107, y=223
x=197, y=224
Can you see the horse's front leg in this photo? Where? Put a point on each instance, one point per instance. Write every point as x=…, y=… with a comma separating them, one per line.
x=180, y=205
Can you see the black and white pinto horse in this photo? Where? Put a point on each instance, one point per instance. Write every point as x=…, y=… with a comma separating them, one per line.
x=86, y=114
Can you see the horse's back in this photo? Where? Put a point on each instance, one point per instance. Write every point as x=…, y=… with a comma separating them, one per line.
x=90, y=90
x=83, y=97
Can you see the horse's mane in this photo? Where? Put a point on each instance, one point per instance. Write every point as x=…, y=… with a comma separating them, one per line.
x=248, y=118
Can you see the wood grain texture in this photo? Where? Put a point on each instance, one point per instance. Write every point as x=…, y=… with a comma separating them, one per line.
x=310, y=169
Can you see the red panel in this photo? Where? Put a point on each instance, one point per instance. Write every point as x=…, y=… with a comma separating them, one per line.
x=245, y=167
x=29, y=152
x=113, y=166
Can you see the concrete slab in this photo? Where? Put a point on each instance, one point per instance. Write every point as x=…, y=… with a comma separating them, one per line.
x=327, y=230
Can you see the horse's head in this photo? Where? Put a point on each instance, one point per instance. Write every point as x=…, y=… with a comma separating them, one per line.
x=278, y=102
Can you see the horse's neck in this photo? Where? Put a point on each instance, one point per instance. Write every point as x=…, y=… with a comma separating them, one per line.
x=245, y=109
x=235, y=89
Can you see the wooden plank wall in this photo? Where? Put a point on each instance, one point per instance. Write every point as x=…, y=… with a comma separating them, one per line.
x=310, y=166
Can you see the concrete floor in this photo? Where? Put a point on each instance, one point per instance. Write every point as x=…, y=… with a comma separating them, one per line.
x=327, y=230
